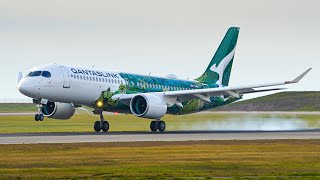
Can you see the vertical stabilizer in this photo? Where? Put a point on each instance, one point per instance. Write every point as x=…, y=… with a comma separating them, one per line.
x=219, y=69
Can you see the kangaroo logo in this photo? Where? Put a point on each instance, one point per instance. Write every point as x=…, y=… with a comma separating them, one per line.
x=219, y=68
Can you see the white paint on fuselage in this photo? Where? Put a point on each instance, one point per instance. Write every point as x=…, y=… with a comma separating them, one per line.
x=81, y=91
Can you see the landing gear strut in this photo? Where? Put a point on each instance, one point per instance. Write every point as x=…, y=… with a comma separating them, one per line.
x=157, y=125
x=101, y=125
x=39, y=117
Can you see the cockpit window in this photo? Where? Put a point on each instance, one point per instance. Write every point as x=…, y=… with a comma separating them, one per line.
x=34, y=73
x=46, y=74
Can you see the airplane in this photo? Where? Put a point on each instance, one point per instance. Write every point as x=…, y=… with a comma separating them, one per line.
x=59, y=89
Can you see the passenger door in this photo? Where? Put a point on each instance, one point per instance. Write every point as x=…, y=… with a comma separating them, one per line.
x=66, y=76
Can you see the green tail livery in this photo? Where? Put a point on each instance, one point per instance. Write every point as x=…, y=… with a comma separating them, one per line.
x=219, y=69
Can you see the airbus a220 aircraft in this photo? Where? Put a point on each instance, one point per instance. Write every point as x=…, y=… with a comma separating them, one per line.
x=59, y=89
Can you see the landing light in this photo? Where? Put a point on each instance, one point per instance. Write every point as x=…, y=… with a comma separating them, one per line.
x=99, y=104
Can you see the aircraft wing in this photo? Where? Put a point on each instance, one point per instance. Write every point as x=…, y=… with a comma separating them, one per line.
x=235, y=91
x=205, y=94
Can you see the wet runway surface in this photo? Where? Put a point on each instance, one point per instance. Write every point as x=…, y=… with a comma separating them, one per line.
x=78, y=137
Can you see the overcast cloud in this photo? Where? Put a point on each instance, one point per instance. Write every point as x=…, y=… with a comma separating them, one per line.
x=277, y=41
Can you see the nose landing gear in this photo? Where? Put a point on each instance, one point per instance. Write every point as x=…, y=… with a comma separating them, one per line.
x=39, y=117
x=101, y=125
x=157, y=125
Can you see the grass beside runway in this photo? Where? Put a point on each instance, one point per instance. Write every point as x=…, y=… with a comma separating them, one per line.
x=84, y=122
x=265, y=159
x=17, y=107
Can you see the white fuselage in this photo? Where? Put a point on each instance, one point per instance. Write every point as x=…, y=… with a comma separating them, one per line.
x=69, y=84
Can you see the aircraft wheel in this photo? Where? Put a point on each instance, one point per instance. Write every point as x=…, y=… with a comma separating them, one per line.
x=105, y=126
x=36, y=117
x=161, y=126
x=41, y=117
x=153, y=126
x=97, y=126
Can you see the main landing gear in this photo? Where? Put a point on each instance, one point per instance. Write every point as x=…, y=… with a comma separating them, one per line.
x=39, y=117
x=101, y=125
x=157, y=125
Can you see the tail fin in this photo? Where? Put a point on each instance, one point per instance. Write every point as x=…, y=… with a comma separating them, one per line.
x=20, y=76
x=219, y=69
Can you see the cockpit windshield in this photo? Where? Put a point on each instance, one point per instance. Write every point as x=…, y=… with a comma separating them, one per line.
x=34, y=73
x=46, y=74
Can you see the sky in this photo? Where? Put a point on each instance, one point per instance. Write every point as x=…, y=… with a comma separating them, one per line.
x=278, y=40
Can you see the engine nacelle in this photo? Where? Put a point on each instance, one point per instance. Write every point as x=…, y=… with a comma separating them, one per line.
x=57, y=110
x=148, y=106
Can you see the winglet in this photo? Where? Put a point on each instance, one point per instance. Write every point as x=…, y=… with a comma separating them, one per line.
x=297, y=79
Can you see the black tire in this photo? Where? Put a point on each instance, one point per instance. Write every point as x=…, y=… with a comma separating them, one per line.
x=36, y=117
x=97, y=126
x=105, y=126
x=41, y=117
x=153, y=126
x=161, y=126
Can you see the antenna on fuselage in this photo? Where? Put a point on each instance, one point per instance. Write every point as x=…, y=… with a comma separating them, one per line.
x=93, y=66
x=149, y=73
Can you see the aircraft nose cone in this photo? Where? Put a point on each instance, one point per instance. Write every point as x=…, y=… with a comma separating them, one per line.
x=24, y=88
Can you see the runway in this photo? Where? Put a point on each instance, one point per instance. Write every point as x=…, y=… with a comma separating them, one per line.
x=36, y=138
x=203, y=112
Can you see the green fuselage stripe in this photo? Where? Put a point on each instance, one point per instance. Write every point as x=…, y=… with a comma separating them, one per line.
x=144, y=84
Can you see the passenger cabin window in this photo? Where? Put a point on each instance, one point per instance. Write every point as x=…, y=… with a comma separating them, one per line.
x=46, y=74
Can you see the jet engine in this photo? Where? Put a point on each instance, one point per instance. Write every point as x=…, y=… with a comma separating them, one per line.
x=57, y=110
x=148, y=106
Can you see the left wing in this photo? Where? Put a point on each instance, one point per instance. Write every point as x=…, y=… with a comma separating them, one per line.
x=177, y=97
